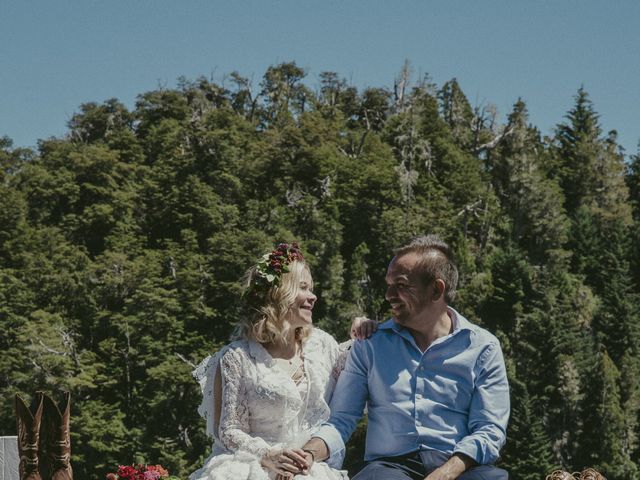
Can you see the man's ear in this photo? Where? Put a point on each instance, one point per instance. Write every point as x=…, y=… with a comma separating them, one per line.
x=438, y=289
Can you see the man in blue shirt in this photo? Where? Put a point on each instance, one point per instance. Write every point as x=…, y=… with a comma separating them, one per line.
x=435, y=385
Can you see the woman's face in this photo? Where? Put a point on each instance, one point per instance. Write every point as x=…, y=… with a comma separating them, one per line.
x=299, y=314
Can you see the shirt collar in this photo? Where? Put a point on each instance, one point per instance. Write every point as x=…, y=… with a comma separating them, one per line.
x=459, y=323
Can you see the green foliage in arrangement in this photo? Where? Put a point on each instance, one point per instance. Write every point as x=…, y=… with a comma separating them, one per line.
x=122, y=245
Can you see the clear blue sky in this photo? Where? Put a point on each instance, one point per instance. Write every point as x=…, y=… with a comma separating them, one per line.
x=57, y=54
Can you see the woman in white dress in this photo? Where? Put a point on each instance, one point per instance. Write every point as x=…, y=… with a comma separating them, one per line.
x=265, y=393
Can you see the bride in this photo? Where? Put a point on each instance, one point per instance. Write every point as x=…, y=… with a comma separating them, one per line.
x=265, y=393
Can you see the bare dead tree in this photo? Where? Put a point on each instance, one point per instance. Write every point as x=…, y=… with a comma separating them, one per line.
x=325, y=187
x=185, y=360
x=400, y=86
x=354, y=152
x=467, y=210
x=485, y=120
x=494, y=142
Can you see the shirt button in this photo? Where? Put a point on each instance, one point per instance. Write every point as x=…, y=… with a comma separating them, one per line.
x=421, y=368
x=418, y=396
x=418, y=423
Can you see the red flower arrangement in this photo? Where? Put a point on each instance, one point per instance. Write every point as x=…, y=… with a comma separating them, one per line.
x=270, y=268
x=272, y=265
x=140, y=472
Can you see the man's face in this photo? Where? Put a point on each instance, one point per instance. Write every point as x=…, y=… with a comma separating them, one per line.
x=408, y=297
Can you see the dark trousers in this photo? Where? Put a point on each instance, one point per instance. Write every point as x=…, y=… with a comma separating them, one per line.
x=417, y=465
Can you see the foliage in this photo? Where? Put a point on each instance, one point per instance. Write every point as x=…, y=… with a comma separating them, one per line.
x=122, y=245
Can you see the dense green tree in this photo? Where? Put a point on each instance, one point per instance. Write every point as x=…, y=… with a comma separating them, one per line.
x=283, y=92
x=618, y=318
x=457, y=112
x=528, y=454
x=511, y=287
x=630, y=402
x=531, y=199
x=122, y=244
x=578, y=148
x=633, y=183
x=604, y=433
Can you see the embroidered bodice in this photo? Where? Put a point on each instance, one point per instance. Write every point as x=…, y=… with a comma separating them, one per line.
x=262, y=407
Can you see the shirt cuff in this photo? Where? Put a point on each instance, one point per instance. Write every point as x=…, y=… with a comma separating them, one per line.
x=334, y=442
x=479, y=451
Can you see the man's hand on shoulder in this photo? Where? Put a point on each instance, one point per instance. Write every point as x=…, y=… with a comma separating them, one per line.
x=453, y=468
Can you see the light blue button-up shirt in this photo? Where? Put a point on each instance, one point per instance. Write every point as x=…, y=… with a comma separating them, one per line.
x=454, y=397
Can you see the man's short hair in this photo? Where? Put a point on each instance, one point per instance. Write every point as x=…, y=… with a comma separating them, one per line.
x=436, y=261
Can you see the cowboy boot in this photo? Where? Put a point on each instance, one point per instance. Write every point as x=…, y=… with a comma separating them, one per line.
x=28, y=421
x=591, y=474
x=58, y=440
x=560, y=475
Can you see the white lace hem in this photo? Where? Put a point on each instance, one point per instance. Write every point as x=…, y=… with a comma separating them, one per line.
x=244, y=466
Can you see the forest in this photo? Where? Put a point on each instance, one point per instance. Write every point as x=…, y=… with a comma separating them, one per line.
x=122, y=244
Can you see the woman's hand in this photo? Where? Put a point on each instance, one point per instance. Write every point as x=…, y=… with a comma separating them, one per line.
x=287, y=462
x=362, y=328
x=308, y=457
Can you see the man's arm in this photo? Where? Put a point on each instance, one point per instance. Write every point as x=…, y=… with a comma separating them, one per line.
x=489, y=409
x=452, y=468
x=347, y=406
x=317, y=448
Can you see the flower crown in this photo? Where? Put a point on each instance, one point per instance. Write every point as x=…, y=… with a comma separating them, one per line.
x=269, y=270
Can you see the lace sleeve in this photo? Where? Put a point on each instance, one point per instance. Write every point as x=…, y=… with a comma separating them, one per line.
x=337, y=353
x=234, y=418
x=341, y=359
x=205, y=374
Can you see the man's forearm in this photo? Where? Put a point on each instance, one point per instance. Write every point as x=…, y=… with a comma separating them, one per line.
x=452, y=468
x=318, y=448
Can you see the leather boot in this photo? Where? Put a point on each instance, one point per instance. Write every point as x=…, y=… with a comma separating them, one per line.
x=28, y=419
x=58, y=440
x=591, y=474
x=560, y=475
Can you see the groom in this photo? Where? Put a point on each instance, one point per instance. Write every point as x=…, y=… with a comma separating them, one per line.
x=434, y=384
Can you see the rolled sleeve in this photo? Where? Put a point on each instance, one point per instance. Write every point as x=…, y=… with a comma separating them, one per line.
x=489, y=411
x=335, y=444
x=347, y=404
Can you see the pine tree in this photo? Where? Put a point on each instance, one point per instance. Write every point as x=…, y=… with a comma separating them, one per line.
x=532, y=201
x=527, y=454
x=457, y=112
x=611, y=195
x=577, y=151
x=630, y=403
x=604, y=433
x=633, y=183
x=618, y=318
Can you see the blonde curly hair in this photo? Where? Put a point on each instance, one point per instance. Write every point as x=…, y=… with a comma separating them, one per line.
x=267, y=323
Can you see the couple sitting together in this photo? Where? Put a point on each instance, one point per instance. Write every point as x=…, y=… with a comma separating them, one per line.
x=282, y=400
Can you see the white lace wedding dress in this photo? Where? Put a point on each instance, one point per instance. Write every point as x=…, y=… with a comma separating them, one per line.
x=264, y=409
